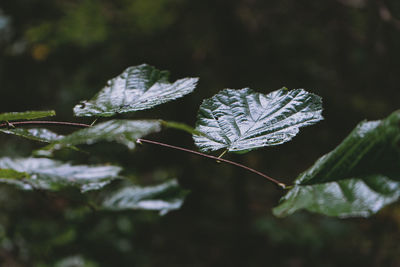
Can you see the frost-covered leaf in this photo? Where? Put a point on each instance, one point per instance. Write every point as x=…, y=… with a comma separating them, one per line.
x=163, y=198
x=27, y=115
x=36, y=134
x=357, y=178
x=47, y=174
x=242, y=120
x=137, y=88
x=125, y=132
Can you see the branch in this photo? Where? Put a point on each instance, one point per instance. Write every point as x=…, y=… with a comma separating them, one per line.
x=33, y=123
x=140, y=140
x=280, y=184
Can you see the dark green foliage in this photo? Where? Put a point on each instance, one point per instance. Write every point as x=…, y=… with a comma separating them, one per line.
x=358, y=178
x=47, y=174
x=142, y=82
x=163, y=197
x=27, y=115
x=55, y=53
x=12, y=174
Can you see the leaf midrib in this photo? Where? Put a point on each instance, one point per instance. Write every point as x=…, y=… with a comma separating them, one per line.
x=242, y=137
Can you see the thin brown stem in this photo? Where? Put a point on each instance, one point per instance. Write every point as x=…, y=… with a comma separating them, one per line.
x=278, y=183
x=82, y=125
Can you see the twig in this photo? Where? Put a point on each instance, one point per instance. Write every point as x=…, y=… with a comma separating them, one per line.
x=140, y=140
x=53, y=123
x=280, y=184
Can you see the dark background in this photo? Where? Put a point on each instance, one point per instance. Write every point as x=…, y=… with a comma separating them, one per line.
x=55, y=53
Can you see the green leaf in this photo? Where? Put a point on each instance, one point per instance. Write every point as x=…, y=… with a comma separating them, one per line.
x=125, y=132
x=242, y=120
x=47, y=174
x=357, y=178
x=137, y=88
x=163, y=197
x=36, y=134
x=27, y=115
x=12, y=174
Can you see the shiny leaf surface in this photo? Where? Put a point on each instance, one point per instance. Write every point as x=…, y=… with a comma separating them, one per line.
x=241, y=120
x=357, y=178
x=125, y=132
x=36, y=134
x=137, y=88
x=27, y=115
x=47, y=174
x=163, y=197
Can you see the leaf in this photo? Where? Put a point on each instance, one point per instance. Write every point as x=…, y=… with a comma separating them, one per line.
x=12, y=174
x=75, y=261
x=357, y=178
x=27, y=115
x=125, y=132
x=36, y=134
x=47, y=174
x=137, y=88
x=242, y=120
x=163, y=197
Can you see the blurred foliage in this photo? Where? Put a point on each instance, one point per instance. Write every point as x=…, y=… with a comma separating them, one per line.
x=54, y=53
